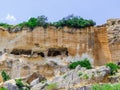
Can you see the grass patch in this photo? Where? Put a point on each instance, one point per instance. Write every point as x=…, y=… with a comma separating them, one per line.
x=106, y=87
x=52, y=86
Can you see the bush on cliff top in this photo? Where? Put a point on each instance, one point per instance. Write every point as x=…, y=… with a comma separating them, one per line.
x=70, y=21
x=5, y=25
x=83, y=63
x=74, y=22
x=34, y=22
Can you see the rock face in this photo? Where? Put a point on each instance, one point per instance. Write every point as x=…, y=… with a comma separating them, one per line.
x=92, y=40
x=113, y=28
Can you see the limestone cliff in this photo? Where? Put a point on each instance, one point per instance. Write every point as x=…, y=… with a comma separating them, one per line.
x=92, y=41
x=113, y=28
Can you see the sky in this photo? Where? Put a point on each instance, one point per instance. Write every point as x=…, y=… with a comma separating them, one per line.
x=17, y=11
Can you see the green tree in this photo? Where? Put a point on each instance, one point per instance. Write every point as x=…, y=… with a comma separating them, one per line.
x=32, y=23
x=42, y=20
x=74, y=22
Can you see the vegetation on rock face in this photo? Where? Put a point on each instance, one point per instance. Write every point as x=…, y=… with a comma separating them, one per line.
x=5, y=76
x=113, y=68
x=106, y=87
x=83, y=63
x=21, y=86
x=70, y=21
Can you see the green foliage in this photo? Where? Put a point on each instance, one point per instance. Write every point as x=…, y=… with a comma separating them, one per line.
x=20, y=85
x=80, y=74
x=85, y=76
x=5, y=25
x=70, y=21
x=106, y=87
x=118, y=66
x=43, y=81
x=74, y=22
x=51, y=87
x=5, y=76
x=2, y=88
x=42, y=21
x=23, y=24
x=34, y=22
x=83, y=63
x=116, y=86
x=113, y=68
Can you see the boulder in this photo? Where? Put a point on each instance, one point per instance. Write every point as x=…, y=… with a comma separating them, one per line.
x=40, y=86
x=35, y=76
x=34, y=82
x=10, y=85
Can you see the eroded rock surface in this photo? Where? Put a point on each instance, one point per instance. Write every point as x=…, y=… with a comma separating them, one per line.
x=91, y=40
x=113, y=28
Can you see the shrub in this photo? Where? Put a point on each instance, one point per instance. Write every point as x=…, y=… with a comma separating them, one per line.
x=5, y=76
x=2, y=88
x=83, y=63
x=21, y=85
x=118, y=66
x=5, y=25
x=113, y=68
x=51, y=87
x=85, y=76
x=74, y=22
x=80, y=74
x=70, y=21
x=34, y=22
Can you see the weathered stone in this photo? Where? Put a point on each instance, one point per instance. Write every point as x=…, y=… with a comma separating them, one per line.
x=91, y=40
x=113, y=28
x=40, y=86
x=34, y=82
x=34, y=76
x=81, y=76
x=11, y=85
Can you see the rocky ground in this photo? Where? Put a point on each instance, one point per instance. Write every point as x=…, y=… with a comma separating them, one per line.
x=62, y=78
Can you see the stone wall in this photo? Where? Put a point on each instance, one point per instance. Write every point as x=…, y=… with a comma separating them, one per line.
x=92, y=41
